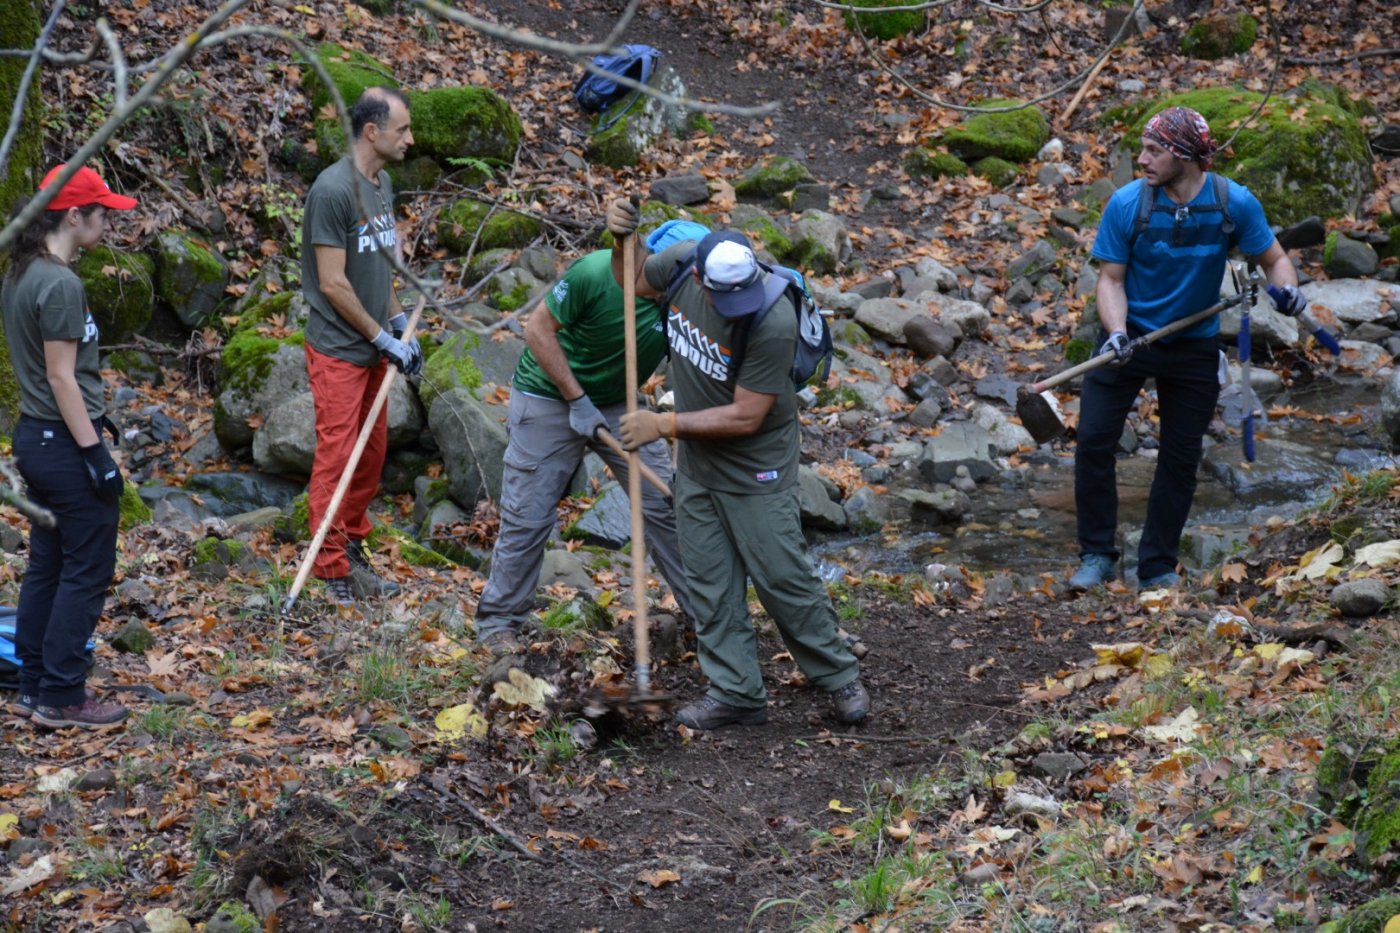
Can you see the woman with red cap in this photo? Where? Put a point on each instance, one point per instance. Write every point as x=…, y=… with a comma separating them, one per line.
x=61, y=455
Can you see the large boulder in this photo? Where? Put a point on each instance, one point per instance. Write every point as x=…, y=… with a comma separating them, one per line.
x=1390, y=409
x=1354, y=301
x=821, y=243
x=120, y=289
x=190, y=276
x=633, y=123
x=1013, y=135
x=285, y=444
x=1220, y=35
x=466, y=220
x=1304, y=155
x=350, y=69
x=451, y=366
x=889, y=25
x=473, y=444
x=771, y=176
x=464, y=123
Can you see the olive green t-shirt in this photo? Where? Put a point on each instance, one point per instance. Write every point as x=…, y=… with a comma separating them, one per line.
x=333, y=218
x=47, y=302
x=588, y=304
x=702, y=376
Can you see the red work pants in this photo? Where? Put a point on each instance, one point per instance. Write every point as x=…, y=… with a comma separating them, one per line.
x=343, y=394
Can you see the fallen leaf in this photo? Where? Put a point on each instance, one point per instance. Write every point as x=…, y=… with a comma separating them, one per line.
x=1183, y=728
x=455, y=722
x=524, y=690
x=9, y=827
x=1318, y=563
x=839, y=807
x=57, y=782
x=660, y=878
x=899, y=831
x=1382, y=554
x=22, y=879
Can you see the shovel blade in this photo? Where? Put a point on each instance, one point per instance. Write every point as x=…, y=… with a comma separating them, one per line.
x=1038, y=416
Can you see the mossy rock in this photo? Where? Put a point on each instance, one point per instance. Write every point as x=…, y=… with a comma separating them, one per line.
x=1370, y=917
x=1077, y=351
x=450, y=366
x=234, y=916
x=136, y=365
x=413, y=553
x=933, y=164
x=190, y=276
x=765, y=233
x=218, y=551
x=247, y=359
x=1014, y=135
x=132, y=509
x=295, y=523
x=459, y=222
x=575, y=615
x=464, y=123
x=416, y=173
x=1302, y=156
x=1220, y=35
x=1378, y=822
x=997, y=171
x=652, y=215
x=350, y=69
x=263, y=310
x=19, y=27
x=772, y=175
x=890, y=25
x=120, y=290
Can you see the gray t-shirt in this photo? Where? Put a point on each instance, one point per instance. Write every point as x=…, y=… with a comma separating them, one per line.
x=47, y=303
x=333, y=218
x=702, y=377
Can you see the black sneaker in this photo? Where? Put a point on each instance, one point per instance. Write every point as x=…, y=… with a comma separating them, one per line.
x=22, y=705
x=709, y=713
x=90, y=715
x=364, y=582
x=338, y=592
x=852, y=703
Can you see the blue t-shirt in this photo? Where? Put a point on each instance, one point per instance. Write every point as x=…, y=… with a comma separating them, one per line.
x=1176, y=266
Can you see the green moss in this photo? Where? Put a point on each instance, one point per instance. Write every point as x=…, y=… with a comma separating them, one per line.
x=1370, y=917
x=234, y=916
x=19, y=27
x=885, y=25
x=1220, y=36
x=1379, y=820
x=464, y=122
x=350, y=69
x=262, y=311
x=933, y=164
x=1302, y=156
x=450, y=366
x=121, y=299
x=247, y=359
x=295, y=524
x=845, y=396
x=1337, y=97
x=616, y=147
x=1329, y=248
x=218, y=550
x=459, y=223
x=1015, y=135
x=771, y=175
x=190, y=278
x=577, y=614
x=1077, y=351
x=132, y=509
x=700, y=125
x=515, y=299
x=413, y=553
x=997, y=171
x=765, y=232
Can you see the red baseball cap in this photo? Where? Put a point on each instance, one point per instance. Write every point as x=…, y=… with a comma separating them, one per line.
x=84, y=188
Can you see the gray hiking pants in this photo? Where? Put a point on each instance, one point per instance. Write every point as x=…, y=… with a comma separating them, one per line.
x=727, y=539
x=542, y=454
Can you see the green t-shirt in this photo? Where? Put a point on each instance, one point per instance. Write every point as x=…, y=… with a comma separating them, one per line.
x=333, y=218
x=47, y=303
x=763, y=462
x=588, y=304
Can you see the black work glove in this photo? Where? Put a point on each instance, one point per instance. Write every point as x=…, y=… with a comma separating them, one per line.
x=103, y=472
x=623, y=218
x=585, y=418
x=1117, y=344
x=407, y=355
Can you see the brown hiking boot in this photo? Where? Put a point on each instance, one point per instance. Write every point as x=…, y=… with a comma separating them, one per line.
x=709, y=713
x=501, y=643
x=852, y=703
x=364, y=582
x=90, y=715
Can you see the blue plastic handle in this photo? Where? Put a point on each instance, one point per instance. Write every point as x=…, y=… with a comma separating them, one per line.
x=1324, y=337
x=1248, y=425
x=1243, y=341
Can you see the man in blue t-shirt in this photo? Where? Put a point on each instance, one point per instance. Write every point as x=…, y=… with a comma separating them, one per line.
x=1147, y=279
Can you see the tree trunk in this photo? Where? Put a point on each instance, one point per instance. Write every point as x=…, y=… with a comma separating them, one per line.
x=19, y=28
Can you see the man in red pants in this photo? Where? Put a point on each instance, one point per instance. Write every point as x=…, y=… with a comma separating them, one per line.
x=353, y=332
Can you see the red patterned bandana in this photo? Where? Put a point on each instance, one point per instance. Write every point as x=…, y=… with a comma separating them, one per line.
x=1184, y=133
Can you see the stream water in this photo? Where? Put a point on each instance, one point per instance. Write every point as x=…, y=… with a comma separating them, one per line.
x=1026, y=522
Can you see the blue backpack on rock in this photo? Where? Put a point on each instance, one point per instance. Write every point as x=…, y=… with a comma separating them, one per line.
x=597, y=92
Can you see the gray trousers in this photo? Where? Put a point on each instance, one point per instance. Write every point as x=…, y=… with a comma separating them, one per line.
x=542, y=454
x=727, y=539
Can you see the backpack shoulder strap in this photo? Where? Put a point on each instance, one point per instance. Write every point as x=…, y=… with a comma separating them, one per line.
x=1222, y=198
x=678, y=277
x=776, y=285
x=1147, y=196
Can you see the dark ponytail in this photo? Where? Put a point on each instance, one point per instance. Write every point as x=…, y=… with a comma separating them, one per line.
x=32, y=241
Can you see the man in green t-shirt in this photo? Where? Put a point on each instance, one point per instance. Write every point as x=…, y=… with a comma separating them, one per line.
x=736, y=487
x=570, y=382
x=353, y=332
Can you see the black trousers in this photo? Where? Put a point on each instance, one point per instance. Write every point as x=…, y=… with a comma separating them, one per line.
x=1188, y=388
x=70, y=567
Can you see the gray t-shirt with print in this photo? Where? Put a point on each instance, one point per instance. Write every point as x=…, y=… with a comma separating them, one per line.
x=47, y=302
x=333, y=218
x=703, y=377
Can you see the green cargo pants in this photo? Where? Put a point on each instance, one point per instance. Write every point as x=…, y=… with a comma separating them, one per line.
x=727, y=539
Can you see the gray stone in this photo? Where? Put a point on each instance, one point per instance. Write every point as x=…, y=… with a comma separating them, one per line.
x=1351, y=259
x=1363, y=357
x=822, y=239
x=818, y=511
x=1036, y=261
x=1371, y=332
x=886, y=317
x=133, y=638
x=286, y=442
x=1358, y=599
x=879, y=287
x=929, y=268
x=923, y=386
x=998, y=590
x=1363, y=461
x=968, y=317
x=1058, y=766
x=865, y=511
x=1354, y=301
x=942, y=506
x=97, y=779
x=1007, y=437
x=997, y=386
x=808, y=197
x=1020, y=292
x=1268, y=329
x=392, y=737
x=1070, y=217
x=1282, y=470
x=691, y=188
x=1050, y=176
x=960, y=443
x=286, y=377
x=566, y=567
x=608, y=521
x=246, y=524
x=185, y=282
x=227, y=493
x=1390, y=408
x=928, y=337
x=24, y=846
x=542, y=262
x=473, y=444
x=925, y=414
x=1310, y=231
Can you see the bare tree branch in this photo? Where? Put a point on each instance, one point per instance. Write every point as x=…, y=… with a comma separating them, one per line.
x=114, y=49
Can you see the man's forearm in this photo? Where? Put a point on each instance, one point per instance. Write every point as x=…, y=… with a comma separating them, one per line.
x=346, y=303
x=541, y=338
x=1113, y=306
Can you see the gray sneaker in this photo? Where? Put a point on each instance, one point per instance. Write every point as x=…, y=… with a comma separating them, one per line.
x=365, y=583
x=339, y=592
x=852, y=702
x=709, y=713
x=1094, y=570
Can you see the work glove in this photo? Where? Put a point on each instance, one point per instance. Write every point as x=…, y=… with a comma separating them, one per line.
x=642, y=427
x=1288, y=300
x=103, y=472
x=585, y=418
x=1117, y=344
x=623, y=218
x=406, y=355
x=398, y=324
